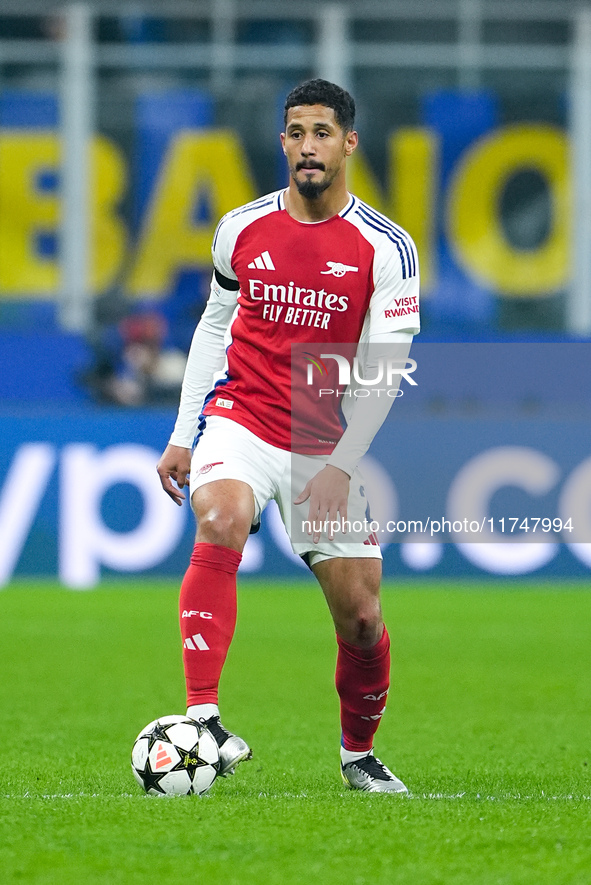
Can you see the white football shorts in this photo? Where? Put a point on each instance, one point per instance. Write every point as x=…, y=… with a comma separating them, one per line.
x=227, y=450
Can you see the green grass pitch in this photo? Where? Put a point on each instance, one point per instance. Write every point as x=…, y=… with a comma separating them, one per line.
x=488, y=723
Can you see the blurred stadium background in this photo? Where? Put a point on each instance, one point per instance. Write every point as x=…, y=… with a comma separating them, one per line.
x=127, y=129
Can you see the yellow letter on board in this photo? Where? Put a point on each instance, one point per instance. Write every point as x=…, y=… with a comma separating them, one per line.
x=108, y=233
x=411, y=201
x=473, y=220
x=208, y=165
x=26, y=212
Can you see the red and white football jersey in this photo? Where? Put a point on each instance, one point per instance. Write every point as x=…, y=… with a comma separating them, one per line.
x=343, y=280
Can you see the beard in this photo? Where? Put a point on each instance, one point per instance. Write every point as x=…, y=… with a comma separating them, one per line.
x=311, y=190
x=308, y=188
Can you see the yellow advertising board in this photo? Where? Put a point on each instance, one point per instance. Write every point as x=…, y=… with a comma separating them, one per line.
x=213, y=162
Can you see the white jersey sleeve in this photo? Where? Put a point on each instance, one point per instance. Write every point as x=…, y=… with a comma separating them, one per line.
x=206, y=357
x=369, y=413
x=392, y=319
x=394, y=305
x=222, y=247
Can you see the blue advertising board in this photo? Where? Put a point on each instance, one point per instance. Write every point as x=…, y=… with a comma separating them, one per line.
x=80, y=498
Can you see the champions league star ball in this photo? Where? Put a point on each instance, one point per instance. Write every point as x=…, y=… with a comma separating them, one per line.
x=175, y=756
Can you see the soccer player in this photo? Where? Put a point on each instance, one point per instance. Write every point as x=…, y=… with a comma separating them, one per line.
x=309, y=264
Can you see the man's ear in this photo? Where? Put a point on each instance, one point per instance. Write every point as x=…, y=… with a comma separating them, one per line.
x=351, y=142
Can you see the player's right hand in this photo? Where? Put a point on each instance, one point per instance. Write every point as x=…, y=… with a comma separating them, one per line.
x=175, y=463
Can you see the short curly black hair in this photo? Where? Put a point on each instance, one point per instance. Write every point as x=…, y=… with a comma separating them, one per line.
x=325, y=93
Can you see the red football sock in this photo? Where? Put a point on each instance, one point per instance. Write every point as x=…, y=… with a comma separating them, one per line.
x=208, y=618
x=362, y=681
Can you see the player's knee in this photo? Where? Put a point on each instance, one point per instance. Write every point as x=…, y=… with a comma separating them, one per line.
x=366, y=631
x=362, y=625
x=229, y=529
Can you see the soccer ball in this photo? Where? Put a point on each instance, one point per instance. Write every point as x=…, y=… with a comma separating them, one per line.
x=175, y=756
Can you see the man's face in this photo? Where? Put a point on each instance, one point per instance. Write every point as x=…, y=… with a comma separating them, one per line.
x=316, y=148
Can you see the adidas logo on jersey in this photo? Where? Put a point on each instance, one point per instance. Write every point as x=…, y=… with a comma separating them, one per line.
x=263, y=262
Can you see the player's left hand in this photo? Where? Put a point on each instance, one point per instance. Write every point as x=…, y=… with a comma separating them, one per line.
x=328, y=492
